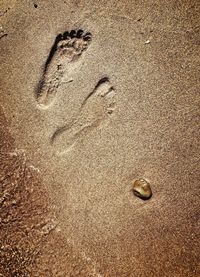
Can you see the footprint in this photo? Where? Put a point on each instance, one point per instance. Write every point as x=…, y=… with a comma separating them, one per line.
x=96, y=109
x=63, y=57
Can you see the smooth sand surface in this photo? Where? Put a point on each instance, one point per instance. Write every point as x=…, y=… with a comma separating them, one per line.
x=125, y=106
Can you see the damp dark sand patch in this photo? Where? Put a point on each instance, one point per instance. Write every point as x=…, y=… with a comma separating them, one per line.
x=31, y=242
x=26, y=219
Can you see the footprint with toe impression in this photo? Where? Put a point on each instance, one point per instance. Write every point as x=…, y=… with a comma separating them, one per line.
x=64, y=53
x=96, y=108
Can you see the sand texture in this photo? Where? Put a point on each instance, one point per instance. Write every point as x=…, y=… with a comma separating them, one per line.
x=95, y=95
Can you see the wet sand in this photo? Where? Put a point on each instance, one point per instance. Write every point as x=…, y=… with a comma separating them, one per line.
x=95, y=95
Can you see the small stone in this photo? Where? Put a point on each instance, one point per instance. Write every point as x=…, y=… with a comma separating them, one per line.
x=142, y=189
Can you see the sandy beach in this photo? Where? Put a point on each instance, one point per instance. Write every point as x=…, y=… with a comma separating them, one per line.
x=95, y=95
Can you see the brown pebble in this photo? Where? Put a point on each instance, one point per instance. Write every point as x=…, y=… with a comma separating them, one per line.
x=142, y=189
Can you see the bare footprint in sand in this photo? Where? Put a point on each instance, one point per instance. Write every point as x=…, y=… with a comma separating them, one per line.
x=96, y=109
x=63, y=58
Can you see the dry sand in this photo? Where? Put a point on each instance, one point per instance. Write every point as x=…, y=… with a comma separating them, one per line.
x=122, y=106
